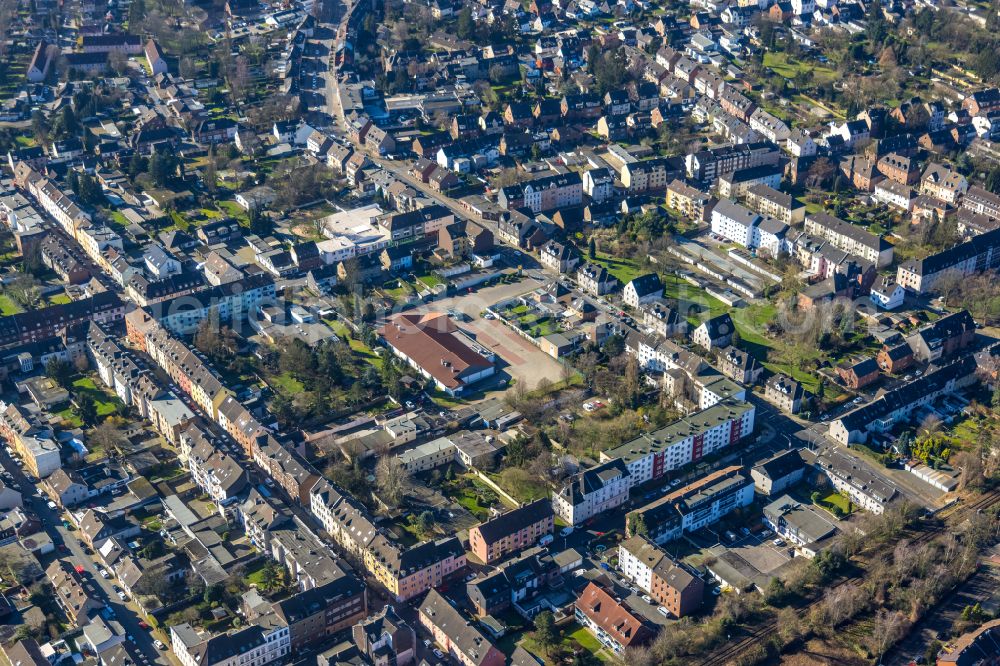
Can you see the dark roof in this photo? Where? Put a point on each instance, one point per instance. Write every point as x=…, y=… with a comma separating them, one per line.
x=864, y=367
x=961, y=252
x=647, y=284
x=508, y=523
x=720, y=326
x=900, y=351
x=781, y=465
x=318, y=599
x=907, y=395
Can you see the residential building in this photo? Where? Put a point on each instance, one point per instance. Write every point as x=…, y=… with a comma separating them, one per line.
x=785, y=393
x=386, y=635
x=779, y=472
x=714, y=333
x=858, y=373
x=887, y=294
x=895, y=359
x=708, y=165
x=407, y=572
x=733, y=221
x=662, y=319
x=596, y=279
x=739, y=365
x=616, y=626
x=599, y=184
x=75, y=594
x=653, y=454
x=255, y=645
x=868, y=490
x=690, y=202
x=901, y=169
x=735, y=184
x=693, y=506
x=515, y=583
x=315, y=614
x=770, y=202
x=511, y=531
x=942, y=183
x=593, y=491
x=802, y=525
x=898, y=404
x=895, y=195
x=544, y=194
x=978, y=647
x=559, y=257
x=850, y=238
x=981, y=201
x=667, y=582
x=943, y=337
x=643, y=289
x=980, y=253
x=457, y=636
x=649, y=175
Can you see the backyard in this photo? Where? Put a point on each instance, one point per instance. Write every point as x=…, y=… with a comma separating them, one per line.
x=8, y=306
x=624, y=269
x=106, y=402
x=836, y=503
x=534, y=323
x=471, y=494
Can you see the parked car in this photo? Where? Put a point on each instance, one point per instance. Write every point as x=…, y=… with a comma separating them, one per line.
x=52, y=505
x=103, y=572
x=663, y=611
x=647, y=599
x=438, y=653
x=159, y=645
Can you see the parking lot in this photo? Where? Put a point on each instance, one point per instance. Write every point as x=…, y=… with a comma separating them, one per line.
x=755, y=552
x=526, y=362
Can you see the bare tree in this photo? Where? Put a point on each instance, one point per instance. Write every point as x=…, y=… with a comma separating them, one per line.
x=888, y=627
x=108, y=436
x=393, y=481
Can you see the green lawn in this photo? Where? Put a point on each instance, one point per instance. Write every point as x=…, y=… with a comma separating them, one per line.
x=783, y=65
x=232, y=209
x=106, y=402
x=59, y=299
x=430, y=280
x=624, y=269
x=587, y=641
x=255, y=574
x=286, y=384
x=356, y=345
x=8, y=306
x=835, y=499
x=69, y=417
x=697, y=303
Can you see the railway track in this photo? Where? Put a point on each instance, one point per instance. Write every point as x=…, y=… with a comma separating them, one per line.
x=729, y=653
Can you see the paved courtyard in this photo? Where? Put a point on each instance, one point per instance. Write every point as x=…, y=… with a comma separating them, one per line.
x=526, y=362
